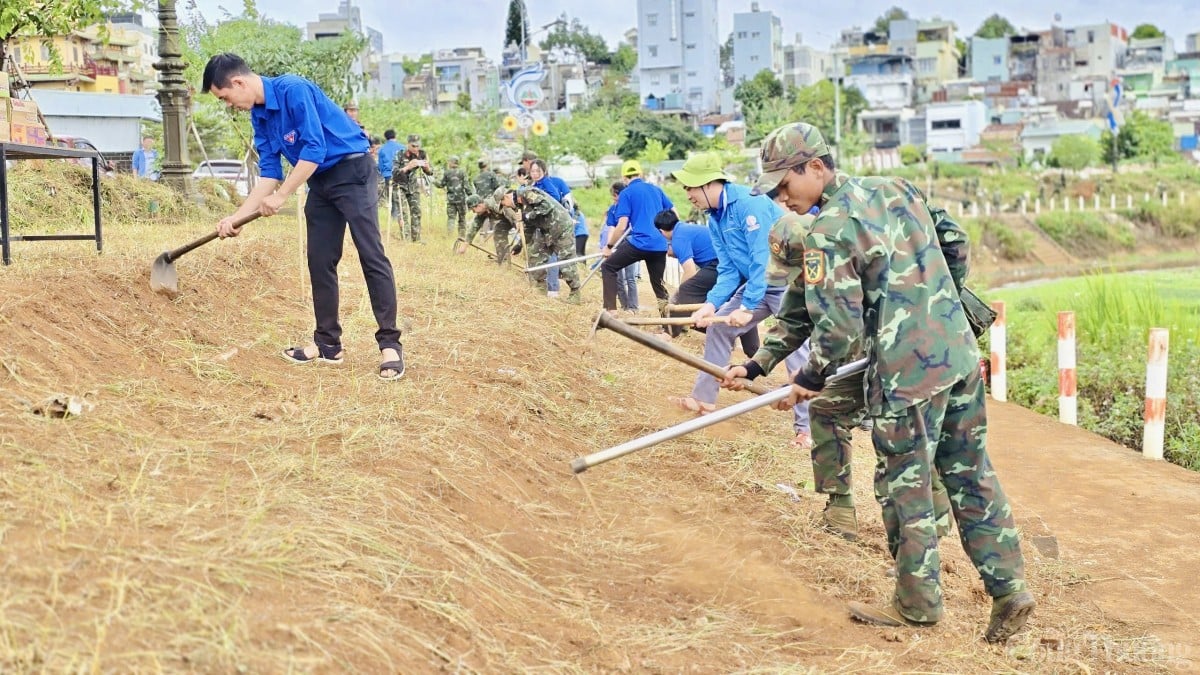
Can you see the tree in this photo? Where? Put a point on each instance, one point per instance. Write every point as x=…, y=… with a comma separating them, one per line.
x=893, y=14
x=412, y=67
x=911, y=154
x=672, y=133
x=516, y=29
x=1147, y=30
x=726, y=61
x=624, y=60
x=654, y=153
x=1141, y=137
x=754, y=92
x=589, y=135
x=1074, y=152
x=995, y=26
x=48, y=19
x=463, y=101
x=815, y=104
x=574, y=38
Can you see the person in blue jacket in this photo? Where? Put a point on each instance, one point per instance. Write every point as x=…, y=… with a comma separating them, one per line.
x=739, y=224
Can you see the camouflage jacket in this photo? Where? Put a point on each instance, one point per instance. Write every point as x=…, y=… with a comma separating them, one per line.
x=455, y=183
x=486, y=183
x=501, y=214
x=411, y=179
x=542, y=212
x=881, y=272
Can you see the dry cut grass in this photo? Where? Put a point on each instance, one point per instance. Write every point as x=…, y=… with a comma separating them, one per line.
x=218, y=510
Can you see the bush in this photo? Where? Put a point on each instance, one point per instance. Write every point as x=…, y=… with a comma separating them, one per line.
x=1180, y=221
x=911, y=154
x=1084, y=230
x=1013, y=244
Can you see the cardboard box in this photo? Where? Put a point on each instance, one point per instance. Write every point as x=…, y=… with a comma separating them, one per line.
x=22, y=112
x=5, y=90
x=28, y=134
x=4, y=133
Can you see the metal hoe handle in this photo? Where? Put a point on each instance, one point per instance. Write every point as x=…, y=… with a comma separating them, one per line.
x=581, y=464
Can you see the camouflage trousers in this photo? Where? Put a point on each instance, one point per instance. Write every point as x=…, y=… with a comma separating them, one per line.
x=832, y=417
x=947, y=433
x=412, y=203
x=502, y=238
x=456, y=211
x=393, y=197
x=544, y=244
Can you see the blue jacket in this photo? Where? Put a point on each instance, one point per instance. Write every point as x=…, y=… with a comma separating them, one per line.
x=740, y=226
x=297, y=121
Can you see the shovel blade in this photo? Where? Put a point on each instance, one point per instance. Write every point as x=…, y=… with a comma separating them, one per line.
x=163, y=278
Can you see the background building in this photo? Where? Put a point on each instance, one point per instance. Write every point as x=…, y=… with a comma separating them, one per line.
x=679, y=54
x=757, y=43
x=803, y=65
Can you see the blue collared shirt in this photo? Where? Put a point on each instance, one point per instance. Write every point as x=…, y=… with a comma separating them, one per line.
x=297, y=121
x=553, y=186
x=640, y=202
x=692, y=242
x=387, y=155
x=740, y=226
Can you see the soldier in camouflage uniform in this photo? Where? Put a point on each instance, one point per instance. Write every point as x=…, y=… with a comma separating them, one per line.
x=454, y=182
x=839, y=408
x=487, y=181
x=555, y=233
x=883, y=276
x=407, y=170
x=504, y=220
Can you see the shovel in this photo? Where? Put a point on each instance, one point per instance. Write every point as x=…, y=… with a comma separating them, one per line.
x=163, y=278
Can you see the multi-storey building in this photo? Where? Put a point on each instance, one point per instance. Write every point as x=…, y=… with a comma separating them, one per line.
x=757, y=43
x=1098, y=50
x=931, y=44
x=462, y=70
x=1145, y=66
x=679, y=54
x=803, y=65
x=954, y=127
x=885, y=80
x=85, y=63
x=348, y=18
x=988, y=60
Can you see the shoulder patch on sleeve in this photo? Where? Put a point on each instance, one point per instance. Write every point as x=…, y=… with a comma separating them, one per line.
x=814, y=266
x=752, y=223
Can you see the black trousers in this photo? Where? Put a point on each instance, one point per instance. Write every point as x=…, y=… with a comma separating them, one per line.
x=346, y=194
x=625, y=255
x=694, y=291
x=581, y=244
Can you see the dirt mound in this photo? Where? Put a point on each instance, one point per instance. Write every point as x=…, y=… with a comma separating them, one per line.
x=214, y=508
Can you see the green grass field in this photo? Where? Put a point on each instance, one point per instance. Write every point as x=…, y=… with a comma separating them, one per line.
x=1114, y=314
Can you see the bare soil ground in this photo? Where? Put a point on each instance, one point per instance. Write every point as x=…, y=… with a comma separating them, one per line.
x=217, y=509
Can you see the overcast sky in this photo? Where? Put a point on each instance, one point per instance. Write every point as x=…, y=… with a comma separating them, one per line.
x=416, y=26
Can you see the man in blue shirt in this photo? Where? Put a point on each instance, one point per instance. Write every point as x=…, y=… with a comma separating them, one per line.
x=637, y=205
x=627, y=292
x=691, y=245
x=144, y=159
x=387, y=156
x=294, y=120
x=739, y=224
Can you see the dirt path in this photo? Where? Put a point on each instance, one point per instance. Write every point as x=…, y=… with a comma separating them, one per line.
x=1132, y=523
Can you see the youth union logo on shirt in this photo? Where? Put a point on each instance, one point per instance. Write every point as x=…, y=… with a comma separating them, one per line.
x=751, y=223
x=289, y=137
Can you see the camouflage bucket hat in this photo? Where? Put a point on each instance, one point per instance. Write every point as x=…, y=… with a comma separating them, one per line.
x=786, y=241
x=498, y=194
x=785, y=148
x=701, y=169
x=473, y=201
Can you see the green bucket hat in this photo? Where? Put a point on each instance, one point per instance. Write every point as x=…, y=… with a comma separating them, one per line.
x=786, y=242
x=473, y=201
x=701, y=169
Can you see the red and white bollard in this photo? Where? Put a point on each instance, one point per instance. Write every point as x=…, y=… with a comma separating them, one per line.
x=1067, y=402
x=998, y=336
x=1156, y=395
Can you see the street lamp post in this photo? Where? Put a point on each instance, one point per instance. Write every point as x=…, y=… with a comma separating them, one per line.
x=175, y=101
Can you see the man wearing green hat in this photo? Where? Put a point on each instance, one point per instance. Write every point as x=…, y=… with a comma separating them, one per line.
x=882, y=274
x=738, y=223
